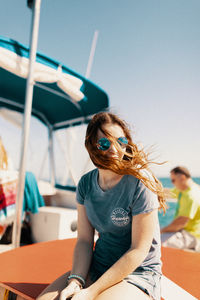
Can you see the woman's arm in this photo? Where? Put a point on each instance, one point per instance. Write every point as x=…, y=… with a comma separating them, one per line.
x=82, y=253
x=84, y=246
x=143, y=227
x=176, y=225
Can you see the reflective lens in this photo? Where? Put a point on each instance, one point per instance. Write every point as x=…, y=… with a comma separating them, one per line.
x=104, y=143
x=122, y=141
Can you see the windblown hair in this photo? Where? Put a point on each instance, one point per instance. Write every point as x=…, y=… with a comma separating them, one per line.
x=181, y=170
x=134, y=162
x=3, y=157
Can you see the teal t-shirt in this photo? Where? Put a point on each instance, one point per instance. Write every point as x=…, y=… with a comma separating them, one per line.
x=110, y=213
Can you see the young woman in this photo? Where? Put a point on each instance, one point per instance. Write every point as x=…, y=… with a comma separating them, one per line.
x=120, y=199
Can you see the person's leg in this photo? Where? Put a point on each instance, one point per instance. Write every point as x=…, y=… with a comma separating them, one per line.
x=121, y=291
x=165, y=236
x=173, y=240
x=191, y=242
x=181, y=240
x=53, y=290
x=197, y=245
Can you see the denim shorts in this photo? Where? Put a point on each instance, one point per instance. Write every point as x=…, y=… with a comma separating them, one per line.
x=146, y=280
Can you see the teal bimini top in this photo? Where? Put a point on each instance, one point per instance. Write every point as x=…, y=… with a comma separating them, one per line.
x=61, y=96
x=110, y=213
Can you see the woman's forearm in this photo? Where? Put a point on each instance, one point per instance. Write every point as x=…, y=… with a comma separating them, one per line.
x=82, y=258
x=124, y=266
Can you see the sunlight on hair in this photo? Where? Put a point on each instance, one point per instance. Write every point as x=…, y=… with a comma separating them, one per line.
x=135, y=160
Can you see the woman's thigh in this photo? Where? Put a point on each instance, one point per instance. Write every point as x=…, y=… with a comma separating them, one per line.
x=121, y=291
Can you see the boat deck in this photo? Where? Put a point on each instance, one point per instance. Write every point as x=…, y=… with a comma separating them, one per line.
x=183, y=268
x=26, y=271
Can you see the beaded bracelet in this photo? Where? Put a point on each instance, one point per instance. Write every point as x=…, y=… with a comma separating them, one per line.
x=78, y=277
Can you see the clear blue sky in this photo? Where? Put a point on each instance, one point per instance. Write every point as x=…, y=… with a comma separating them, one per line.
x=147, y=59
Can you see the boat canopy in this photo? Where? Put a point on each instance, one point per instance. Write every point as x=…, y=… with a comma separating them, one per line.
x=61, y=96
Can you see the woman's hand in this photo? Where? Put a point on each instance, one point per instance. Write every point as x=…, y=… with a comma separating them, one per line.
x=85, y=294
x=72, y=288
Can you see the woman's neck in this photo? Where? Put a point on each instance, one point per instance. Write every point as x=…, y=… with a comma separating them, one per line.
x=108, y=179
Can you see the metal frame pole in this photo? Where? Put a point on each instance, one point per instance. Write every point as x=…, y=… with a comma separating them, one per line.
x=92, y=52
x=26, y=122
x=51, y=157
x=40, y=173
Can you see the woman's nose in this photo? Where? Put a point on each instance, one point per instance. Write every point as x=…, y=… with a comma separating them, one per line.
x=112, y=148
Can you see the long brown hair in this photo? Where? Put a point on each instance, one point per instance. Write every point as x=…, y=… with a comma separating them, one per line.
x=135, y=161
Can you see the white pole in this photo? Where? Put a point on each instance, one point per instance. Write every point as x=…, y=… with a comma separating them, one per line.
x=51, y=156
x=40, y=173
x=67, y=160
x=92, y=52
x=26, y=122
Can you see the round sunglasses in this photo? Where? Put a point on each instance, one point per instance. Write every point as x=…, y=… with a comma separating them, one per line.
x=104, y=143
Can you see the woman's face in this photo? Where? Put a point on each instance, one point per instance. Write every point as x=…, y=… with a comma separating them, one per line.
x=116, y=131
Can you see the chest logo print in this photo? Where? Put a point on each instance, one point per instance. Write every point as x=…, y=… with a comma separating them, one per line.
x=120, y=217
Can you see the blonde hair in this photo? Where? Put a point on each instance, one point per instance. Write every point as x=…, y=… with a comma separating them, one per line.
x=135, y=161
x=3, y=157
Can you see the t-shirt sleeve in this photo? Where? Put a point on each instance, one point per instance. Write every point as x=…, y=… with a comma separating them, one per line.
x=188, y=208
x=174, y=193
x=144, y=200
x=80, y=192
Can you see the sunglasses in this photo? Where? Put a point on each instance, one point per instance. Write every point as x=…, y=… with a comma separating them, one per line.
x=104, y=143
x=173, y=180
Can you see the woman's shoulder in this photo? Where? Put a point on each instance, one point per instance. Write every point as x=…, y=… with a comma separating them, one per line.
x=134, y=182
x=140, y=188
x=88, y=176
x=84, y=185
x=132, y=179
